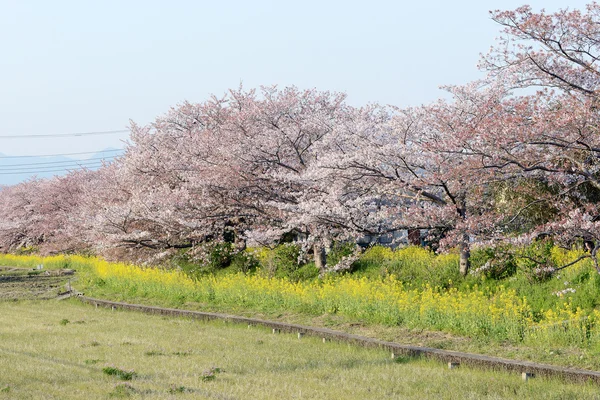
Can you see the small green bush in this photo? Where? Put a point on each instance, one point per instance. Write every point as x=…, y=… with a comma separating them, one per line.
x=207, y=258
x=306, y=272
x=245, y=262
x=413, y=265
x=211, y=373
x=280, y=261
x=493, y=262
x=26, y=250
x=219, y=255
x=153, y=353
x=338, y=251
x=536, y=260
x=119, y=373
x=178, y=389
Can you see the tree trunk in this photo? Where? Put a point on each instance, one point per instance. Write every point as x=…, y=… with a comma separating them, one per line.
x=320, y=257
x=414, y=237
x=595, y=257
x=464, y=246
x=465, y=253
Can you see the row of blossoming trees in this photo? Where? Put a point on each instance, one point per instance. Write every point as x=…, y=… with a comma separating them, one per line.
x=512, y=157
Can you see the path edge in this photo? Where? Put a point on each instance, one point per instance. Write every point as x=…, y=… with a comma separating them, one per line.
x=396, y=349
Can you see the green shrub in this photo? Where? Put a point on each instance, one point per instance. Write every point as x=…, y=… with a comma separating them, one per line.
x=536, y=260
x=186, y=264
x=207, y=258
x=413, y=265
x=244, y=261
x=340, y=250
x=493, y=262
x=119, y=373
x=26, y=250
x=219, y=255
x=280, y=261
x=306, y=272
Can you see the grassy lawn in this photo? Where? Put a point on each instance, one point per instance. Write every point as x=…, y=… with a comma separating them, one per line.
x=347, y=304
x=61, y=350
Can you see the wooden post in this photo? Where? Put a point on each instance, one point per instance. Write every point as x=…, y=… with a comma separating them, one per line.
x=527, y=376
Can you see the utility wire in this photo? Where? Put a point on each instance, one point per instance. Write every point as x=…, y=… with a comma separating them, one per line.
x=65, y=154
x=52, y=163
x=44, y=172
x=87, y=167
x=64, y=134
x=49, y=167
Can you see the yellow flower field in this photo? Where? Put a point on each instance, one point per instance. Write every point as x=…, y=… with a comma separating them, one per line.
x=501, y=315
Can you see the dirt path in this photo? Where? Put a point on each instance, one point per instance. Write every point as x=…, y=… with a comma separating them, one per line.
x=27, y=283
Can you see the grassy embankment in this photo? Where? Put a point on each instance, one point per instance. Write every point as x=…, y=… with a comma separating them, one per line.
x=512, y=317
x=66, y=350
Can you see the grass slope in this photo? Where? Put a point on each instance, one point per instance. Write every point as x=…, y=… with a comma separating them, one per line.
x=63, y=350
x=470, y=321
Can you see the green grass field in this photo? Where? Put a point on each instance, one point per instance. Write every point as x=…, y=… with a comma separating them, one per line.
x=67, y=350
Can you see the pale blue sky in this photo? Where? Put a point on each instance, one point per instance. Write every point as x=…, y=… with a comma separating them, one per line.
x=77, y=66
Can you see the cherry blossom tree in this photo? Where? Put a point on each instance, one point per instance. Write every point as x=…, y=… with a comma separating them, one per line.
x=42, y=213
x=557, y=141
x=557, y=50
x=231, y=163
x=17, y=212
x=419, y=168
x=280, y=136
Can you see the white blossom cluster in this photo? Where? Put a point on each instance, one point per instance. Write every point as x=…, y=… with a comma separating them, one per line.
x=561, y=293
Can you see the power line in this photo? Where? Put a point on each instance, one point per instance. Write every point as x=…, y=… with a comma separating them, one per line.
x=8, y=168
x=64, y=154
x=48, y=171
x=50, y=167
x=42, y=172
x=64, y=134
x=63, y=166
x=54, y=162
